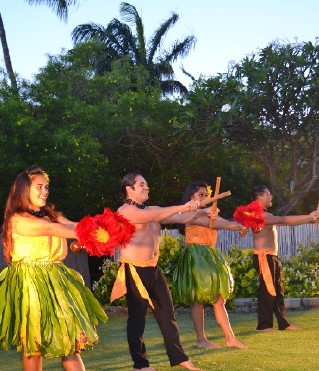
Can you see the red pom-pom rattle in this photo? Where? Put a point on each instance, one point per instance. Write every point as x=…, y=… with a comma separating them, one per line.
x=101, y=234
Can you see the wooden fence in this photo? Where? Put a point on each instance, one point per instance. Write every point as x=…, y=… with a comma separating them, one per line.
x=289, y=238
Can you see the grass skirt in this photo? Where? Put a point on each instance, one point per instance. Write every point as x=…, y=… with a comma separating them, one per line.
x=201, y=275
x=46, y=309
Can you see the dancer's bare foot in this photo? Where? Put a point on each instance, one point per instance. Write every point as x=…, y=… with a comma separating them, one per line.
x=206, y=344
x=144, y=369
x=268, y=329
x=293, y=328
x=189, y=366
x=235, y=344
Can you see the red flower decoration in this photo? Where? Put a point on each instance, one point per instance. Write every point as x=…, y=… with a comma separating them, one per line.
x=251, y=216
x=102, y=233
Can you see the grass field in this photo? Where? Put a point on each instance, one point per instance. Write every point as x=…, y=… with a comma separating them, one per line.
x=278, y=350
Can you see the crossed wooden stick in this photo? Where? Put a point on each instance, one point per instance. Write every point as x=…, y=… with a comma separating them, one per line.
x=217, y=196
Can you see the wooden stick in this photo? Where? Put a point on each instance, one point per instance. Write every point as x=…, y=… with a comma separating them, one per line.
x=208, y=200
x=214, y=205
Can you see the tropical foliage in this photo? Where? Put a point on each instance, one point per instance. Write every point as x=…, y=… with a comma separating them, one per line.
x=245, y=276
x=103, y=287
x=265, y=109
x=88, y=126
x=119, y=41
x=300, y=272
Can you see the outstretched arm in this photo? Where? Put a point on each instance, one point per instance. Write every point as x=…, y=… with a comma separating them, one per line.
x=156, y=213
x=63, y=220
x=291, y=219
x=220, y=223
x=33, y=227
x=188, y=217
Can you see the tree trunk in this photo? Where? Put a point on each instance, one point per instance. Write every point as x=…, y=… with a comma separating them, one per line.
x=7, y=58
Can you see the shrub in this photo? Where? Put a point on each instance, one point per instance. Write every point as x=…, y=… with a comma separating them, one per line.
x=170, y=250
x=245, y=275
x=301, y=272
x=103, y=287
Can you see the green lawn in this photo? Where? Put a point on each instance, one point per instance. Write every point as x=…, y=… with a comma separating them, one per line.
x=279, y=350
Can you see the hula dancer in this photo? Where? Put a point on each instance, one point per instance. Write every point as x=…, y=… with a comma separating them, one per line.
x=45, y=308
x=202, y=275
x=139, y=276
x=270, y=292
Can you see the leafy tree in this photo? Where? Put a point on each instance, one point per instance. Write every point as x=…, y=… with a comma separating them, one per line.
x=207, y=151
x=278, y=117
x=265, y=112
x=48, y=131
x=119, y=40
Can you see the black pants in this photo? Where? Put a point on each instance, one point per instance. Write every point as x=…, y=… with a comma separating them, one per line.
x=268, y=304
x=155, y=283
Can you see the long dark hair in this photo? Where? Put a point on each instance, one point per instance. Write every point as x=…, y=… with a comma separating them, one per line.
x=128, y=180
x=18, y=202
x=188, y=194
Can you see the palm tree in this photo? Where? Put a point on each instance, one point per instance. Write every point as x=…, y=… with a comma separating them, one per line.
x=7, y=58
x=119, y=41
x=60, y=7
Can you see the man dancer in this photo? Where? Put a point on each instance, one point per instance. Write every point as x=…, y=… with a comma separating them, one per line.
x=270, y=293
x=139, y=276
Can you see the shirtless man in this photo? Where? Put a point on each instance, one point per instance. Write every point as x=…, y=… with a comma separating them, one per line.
x=270, y=293
x=141, y=279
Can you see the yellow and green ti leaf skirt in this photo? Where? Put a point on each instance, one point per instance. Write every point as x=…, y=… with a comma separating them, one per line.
x=45, y=309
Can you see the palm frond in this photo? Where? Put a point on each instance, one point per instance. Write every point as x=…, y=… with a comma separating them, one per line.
x=173, y=87
x=181, y=49
x=156, y=40
x=120, y=36
x=188, y=74
x=60, y=7
x=88, y=31
x=129, y=14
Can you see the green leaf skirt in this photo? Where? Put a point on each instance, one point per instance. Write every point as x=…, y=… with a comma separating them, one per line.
x=201, y=275
x=46, y=309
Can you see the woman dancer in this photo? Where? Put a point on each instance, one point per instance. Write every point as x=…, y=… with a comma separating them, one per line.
x=202, y=275
x=45, y=308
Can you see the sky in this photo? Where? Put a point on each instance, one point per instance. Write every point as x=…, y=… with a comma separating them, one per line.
x=226, y=30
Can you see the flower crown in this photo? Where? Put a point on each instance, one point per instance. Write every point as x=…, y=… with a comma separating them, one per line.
x=46, y=177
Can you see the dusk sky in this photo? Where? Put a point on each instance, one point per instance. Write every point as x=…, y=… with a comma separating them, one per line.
x=225, y=30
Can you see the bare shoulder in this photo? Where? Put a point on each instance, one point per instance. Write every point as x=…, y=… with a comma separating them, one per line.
x=272, y=219
x=20, y=218
x=125, y=208
x=24, y=223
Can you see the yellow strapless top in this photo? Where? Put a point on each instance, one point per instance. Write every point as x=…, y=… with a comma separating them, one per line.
x=38, y=249
x=200, y=235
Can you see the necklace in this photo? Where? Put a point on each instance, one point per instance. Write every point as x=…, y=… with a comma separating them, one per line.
x=38, y=213
x=131, y=202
